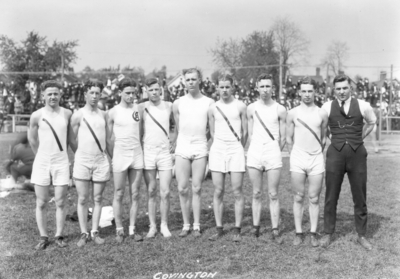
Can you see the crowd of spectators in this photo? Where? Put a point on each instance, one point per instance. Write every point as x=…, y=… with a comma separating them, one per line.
x=27, y=100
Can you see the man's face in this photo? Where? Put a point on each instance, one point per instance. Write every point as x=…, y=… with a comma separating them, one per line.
x=225, y=89
x=307, y=93
x=342, y=90
x=93, y=95
x=154, y=92
x=264, y=87
x=192, y=82
x=52, y=96
x=128, y=94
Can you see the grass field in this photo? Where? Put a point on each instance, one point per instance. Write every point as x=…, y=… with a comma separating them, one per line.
x=251, y=258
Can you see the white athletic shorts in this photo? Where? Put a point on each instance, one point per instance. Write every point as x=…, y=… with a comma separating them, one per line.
x=51, y=169
x=191, y=148
x=157, y=157
x=89, y=167
x=227, y=157
x=264, y=157
x=125, y=159
x=309, y=164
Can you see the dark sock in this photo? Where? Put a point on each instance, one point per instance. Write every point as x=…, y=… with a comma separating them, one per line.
x=313, y=233
x=220, y=230
x=237, y=230
x=257, y=230
x=59, y=237
x=300, y=234
x=45, y=238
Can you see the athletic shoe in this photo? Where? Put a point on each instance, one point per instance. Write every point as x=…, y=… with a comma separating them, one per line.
x=83, y=240
x=43, y=243
x=165, y=231
x=97, y=239
x=152, y=232
x=60, y=242
x=184, y=233
x=255, y=232
x=314, y=240
x=325, y=240
x=136, y=237
x=196, y=233
x=237, y=237
x=364, y=243
x=298, y=239
x=120, y=236
x=276, y=236
x=215, y=237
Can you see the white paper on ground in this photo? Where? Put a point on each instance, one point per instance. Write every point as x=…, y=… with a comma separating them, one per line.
x=107, y=215
x=4, y=194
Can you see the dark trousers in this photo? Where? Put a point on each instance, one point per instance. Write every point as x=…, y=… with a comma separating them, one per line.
x=354, y=162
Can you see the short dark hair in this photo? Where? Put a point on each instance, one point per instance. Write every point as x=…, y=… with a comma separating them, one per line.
x=49, y=84
x=193, y=70
x=150, y=81
x=96, y=83
x=307, y=80
x=226, y=77
x=264, y=76
x=126, y=82
x=340, y=78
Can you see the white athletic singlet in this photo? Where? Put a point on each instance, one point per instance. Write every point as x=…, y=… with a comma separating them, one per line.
x=153, y=134
x=270, y=118
x=126, y=127
x=47, y=142
x=304, y=140
x=221, y=130
x=193, y=117
x=86, y=141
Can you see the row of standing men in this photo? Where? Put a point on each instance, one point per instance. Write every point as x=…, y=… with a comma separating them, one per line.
x=137, y=139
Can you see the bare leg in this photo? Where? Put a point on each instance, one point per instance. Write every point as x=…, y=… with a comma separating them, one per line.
x=165, y=182
x=198, y=170
x=151, y=183
x=273, y=177
x=237, y=183
x=182, y=170
x=314, y=191
x=298, y=186
x=83, y=189
x=42, y=199
x=98, y=189
x=60, y=197
x=135, y=178
x=219, y=184
x=119, y=190
x=256, y=178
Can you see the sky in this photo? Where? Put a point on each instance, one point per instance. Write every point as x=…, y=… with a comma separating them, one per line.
x=180, y=33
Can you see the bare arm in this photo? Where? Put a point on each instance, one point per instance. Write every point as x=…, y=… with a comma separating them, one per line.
x=141, y=122
x=370, y=119
x=290, y=130
x=282, y=125
x=175, y=111
x=211, y=122
x=73, y=130
x=109, y=132
x=324, y=127
x=33, y=136
x=250, y=121
x=208, y=135
x=243, y=117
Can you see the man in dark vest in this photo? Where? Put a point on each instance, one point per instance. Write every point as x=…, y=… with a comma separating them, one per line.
x=347, y=153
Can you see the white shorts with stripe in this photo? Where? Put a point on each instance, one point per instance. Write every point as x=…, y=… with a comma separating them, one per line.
x=124, y=159
x=264, y=157
x=89, y=167
x=51, y=169
x=227, y=157
x=303, y=162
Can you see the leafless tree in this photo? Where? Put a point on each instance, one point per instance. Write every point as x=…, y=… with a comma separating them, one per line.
x=290, y=42
x=336, y=56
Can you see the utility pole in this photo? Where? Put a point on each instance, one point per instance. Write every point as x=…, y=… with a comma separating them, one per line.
x=62, y=64
x=391, y=89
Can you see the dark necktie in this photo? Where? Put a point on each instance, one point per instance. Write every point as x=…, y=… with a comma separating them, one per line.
x=342, y=108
